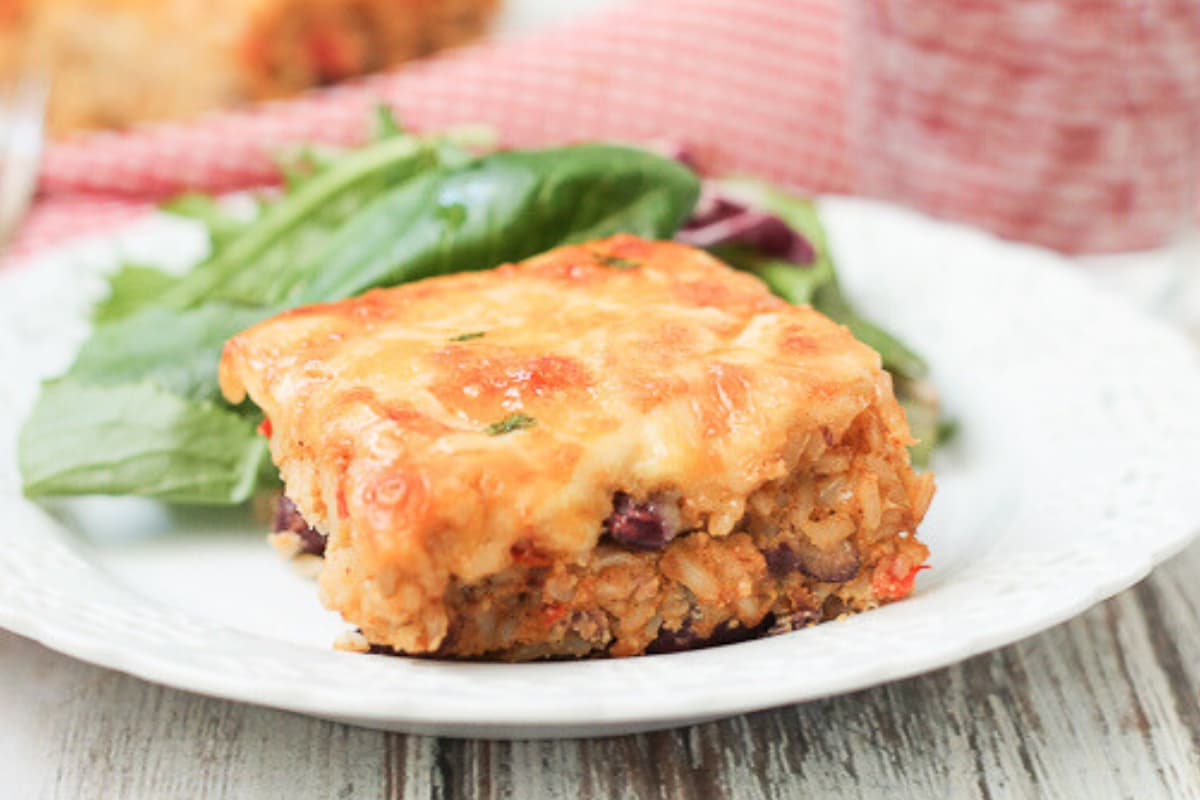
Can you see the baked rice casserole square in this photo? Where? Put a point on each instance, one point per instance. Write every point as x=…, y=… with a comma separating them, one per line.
x=614, y=448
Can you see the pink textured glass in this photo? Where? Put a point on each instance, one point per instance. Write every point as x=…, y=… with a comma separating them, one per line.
x=1071, y=123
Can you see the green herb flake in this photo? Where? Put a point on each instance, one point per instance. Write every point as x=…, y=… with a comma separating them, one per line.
x=466, y=337
x=616, y=262
x=513, y=422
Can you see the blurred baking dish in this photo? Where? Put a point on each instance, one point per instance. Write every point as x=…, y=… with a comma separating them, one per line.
x=117, y=62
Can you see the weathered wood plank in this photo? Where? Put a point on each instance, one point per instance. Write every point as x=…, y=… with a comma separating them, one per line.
x=1107, y=705
x=75, y=731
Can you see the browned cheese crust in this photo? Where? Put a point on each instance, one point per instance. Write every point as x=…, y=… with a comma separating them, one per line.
x=614, y=447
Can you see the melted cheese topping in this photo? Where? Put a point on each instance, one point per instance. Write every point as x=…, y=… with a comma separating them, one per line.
x=645, y=366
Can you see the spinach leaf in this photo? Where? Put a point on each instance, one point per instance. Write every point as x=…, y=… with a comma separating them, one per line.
x=339, y=189
x=498, y=208
x=177, y=350
x=137, y=439
x=130, y=288
x=266, y=279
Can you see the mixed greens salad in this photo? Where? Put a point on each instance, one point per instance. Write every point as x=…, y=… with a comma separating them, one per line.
x=139, y=412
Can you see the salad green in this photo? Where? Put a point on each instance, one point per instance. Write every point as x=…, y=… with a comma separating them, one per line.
x=139, y=411
x=138, y=438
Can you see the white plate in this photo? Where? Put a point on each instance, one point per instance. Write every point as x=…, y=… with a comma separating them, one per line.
x=1074, y=475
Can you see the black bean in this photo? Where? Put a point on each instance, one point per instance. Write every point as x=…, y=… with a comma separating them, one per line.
x=836, y=565
x=647, y=525
x=781, y=560
x=289, y=519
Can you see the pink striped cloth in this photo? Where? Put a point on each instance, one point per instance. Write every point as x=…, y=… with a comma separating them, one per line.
x=1032, y=123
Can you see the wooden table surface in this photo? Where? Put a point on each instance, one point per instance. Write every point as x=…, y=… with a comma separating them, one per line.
x=1107, y=705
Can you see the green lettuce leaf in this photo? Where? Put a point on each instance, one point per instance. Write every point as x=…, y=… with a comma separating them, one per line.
x=137, y=439
x=287, y=225
x=130, y=288
x=176, y=350
x=498, y=208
